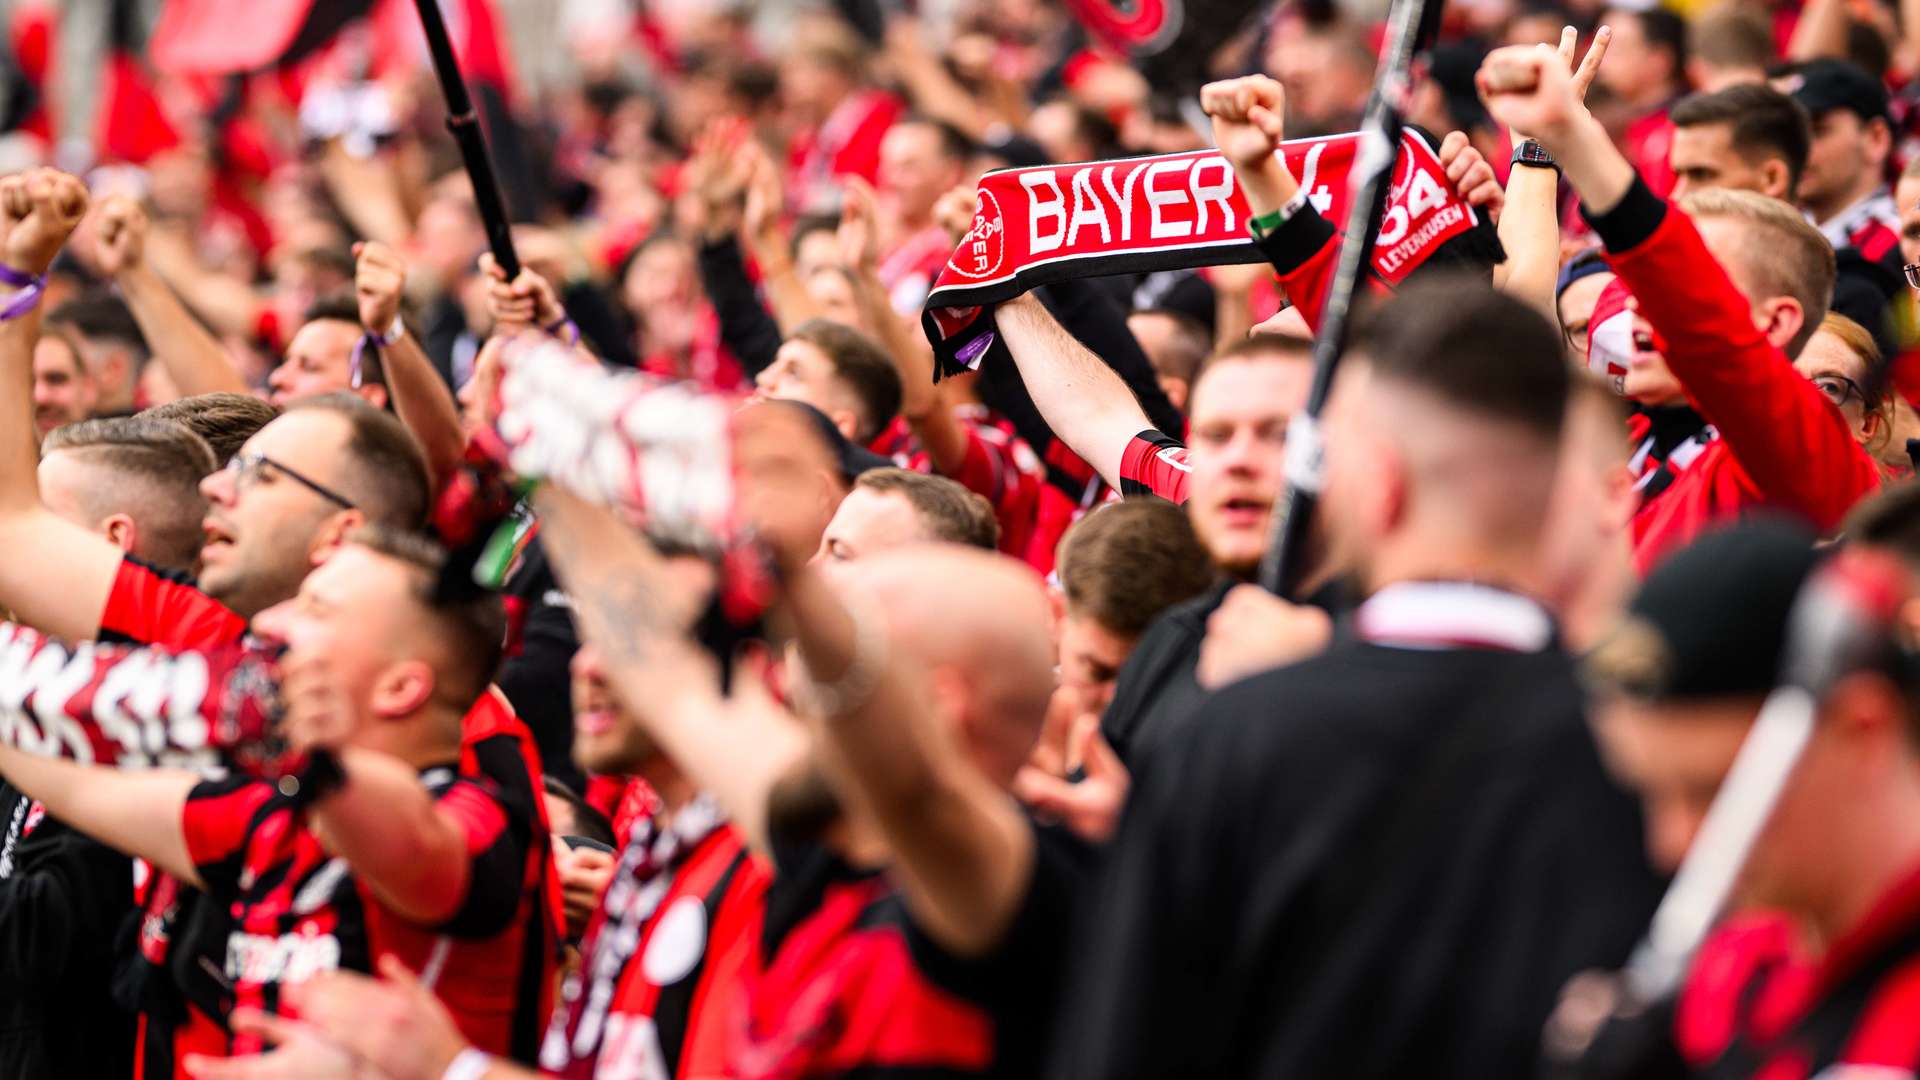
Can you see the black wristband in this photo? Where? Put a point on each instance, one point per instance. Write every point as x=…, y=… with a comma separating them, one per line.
x=318, y=777
x=1631, y=221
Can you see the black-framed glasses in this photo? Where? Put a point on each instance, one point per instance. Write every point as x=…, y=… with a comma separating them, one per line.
x=1840, y=389
x=1912, y=270
x=248, y=468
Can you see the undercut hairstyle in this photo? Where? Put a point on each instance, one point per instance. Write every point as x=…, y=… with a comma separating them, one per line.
x=1261, y=346
x=1781, y=254
x=342, y=307
x=224, y=419
x=1480, y=350
x=387, y=479
x=1126, y=562
x=863, y=365
x=1761, y=122
x=157, y=467
x=470, y=629
x=949, y=511
x=1732, y=36
x=99, y=315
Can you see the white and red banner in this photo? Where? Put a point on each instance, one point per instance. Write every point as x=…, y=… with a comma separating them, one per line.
x=1050, y=223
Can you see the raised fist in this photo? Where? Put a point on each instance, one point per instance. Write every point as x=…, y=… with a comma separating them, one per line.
x=120, y=235
x=1248, y=118
x=1528, y=88
x=38, y=210
x=379, y=277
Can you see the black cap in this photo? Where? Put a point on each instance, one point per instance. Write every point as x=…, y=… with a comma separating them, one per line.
x=853, y=458
x=1821, y=86
x=1711, y=620
x=1181, y=292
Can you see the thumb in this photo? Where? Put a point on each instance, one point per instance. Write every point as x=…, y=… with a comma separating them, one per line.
x=395, y=973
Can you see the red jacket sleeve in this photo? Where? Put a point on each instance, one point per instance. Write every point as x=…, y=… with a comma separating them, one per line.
x=1793, y=447
x=1304, y=252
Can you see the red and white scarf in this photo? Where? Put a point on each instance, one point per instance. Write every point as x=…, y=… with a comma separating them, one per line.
x=1051, y=223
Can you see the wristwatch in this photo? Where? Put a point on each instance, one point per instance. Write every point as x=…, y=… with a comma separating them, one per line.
x=1532, y=154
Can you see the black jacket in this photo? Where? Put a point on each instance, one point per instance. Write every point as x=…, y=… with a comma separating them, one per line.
x=62, y=898
x=1156, y=689
x=1379, y=862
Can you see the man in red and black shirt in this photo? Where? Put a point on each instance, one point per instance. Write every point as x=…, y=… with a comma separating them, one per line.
x=409, y=848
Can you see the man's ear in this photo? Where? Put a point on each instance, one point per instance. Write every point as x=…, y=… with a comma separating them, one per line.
x=1776, y=179
x=402, y=690
x=1781, y=319
x=848, y=422
x=121, y=531
x=332, y=533
x=1390, y=502
x=373, y=394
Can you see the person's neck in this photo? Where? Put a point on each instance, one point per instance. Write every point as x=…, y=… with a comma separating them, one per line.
x=428, y=738
x=1825, y=210
x=1439, y=558
x=1866, y=862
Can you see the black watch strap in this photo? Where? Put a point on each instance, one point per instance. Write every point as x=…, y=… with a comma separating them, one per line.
x=1532, y=154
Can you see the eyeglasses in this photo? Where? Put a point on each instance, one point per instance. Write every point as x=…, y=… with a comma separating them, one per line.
x=248, y=468
x=1912, y=270
x=1839, y=389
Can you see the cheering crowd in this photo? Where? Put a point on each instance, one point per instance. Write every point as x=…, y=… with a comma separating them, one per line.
x=809, y=610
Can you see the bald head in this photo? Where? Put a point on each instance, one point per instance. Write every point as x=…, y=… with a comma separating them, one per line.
x=978, y=622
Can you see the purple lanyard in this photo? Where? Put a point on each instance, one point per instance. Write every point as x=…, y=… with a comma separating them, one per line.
x=30, y=286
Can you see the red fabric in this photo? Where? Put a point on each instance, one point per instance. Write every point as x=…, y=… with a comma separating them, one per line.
x=149, y=607
x=1156, y=464
x=1782, y=444
x=999, y=467
x=843, y=995
x=1649, y=143
x=225, y=35
x=846, y=144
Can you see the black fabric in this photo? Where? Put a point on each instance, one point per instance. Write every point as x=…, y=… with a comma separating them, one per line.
x=1864, y=291
x=600, y=322
x=62, y=897
x=536, y=680
x=1629, y=224
x=1156, y=684
x=1020, y=983
x=747, y=328
x=1219, y=946
x=1298, y=239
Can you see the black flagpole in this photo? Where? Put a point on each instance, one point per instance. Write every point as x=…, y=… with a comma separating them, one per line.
x=1412, y=27
x=465, y=125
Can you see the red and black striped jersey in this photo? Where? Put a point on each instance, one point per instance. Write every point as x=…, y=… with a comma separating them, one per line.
x=1756, y=1006
x=656, y=995
x=1155, y=463
x=148, y=606
x=297, y=911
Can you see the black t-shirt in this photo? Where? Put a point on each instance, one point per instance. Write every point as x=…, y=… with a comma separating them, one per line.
x=830, y=922
x=1300, y=888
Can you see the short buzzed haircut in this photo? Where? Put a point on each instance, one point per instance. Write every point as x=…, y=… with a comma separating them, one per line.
x=949, y=511
x=387, y=474
x=1780, y=255
x=863, y=365
x=158, y=466
x=1479, y=350
x=1761, y=122
x=224, y=419
x=1126, y=562
x=471, y=628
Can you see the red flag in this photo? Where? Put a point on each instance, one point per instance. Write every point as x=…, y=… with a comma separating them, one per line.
x=223, y=36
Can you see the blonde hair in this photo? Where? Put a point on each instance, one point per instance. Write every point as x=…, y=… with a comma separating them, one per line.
x=1779, y=255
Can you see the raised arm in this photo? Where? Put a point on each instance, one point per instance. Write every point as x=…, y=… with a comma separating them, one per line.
x=1083, y=400
x=57, y=575
x=192, y=357
x=964, y=851
x=1530, y=223
x=931, y=418
x=139, y=813
x=733, y=748
x=419, y=395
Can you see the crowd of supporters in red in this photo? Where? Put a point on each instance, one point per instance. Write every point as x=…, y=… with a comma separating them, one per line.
x=715, y=649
